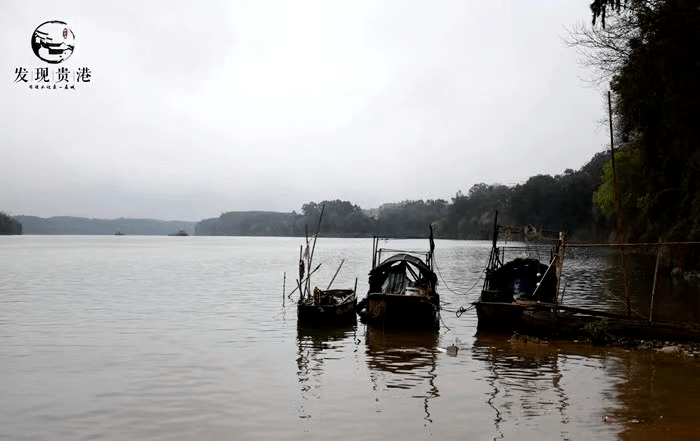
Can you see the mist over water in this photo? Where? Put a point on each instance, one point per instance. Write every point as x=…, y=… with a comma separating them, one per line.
x=180, y=338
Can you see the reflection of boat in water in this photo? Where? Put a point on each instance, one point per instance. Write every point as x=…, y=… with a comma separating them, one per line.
x=524, y=380
x=399, y=351
x=402, y=290
x=404, y=359
x=316, y=345
x=515, y=280
x=320, y=337
x=569, y=388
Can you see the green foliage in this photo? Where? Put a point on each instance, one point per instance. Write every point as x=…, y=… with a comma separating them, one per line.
x=562, y=201
x=410, y=218
x=657, y=95
x=632, y=191
x=9, y=225
x=597, y=329
x=554, y=202
x=340, y=218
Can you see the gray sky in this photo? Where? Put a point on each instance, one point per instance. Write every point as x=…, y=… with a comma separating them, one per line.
x=198, y=108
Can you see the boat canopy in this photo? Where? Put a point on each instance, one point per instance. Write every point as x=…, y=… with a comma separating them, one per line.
x=404, y=264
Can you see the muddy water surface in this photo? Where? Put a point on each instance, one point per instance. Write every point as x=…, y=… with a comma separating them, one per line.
x=181, y=338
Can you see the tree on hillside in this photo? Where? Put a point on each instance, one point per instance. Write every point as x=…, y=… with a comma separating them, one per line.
x=9, y=225
x=410, y=218
x=339, y=218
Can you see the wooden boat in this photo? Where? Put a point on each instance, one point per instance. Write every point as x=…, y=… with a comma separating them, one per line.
x=317, y=306
x=517, y=281
x=564, y=321
x=331, y=306
x=402, y=290
x=523, y=295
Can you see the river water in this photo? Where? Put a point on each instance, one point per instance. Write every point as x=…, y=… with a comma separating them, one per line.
x=184, y=338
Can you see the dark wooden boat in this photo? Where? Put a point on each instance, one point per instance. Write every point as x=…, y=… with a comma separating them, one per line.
x=517, y=281
x=563, y=321
x=402, y=290
x=331, y=306
x=317, y=306
x=522, y=295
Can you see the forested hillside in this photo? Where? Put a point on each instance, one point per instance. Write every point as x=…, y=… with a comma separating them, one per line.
x=85, y=226
x=554, y=202
x=649, y=52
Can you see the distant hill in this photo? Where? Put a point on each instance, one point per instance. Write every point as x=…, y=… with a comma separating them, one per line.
x=249, y=223
x=85, y=226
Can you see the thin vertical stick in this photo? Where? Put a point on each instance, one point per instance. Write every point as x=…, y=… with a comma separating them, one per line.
x=313, y=247
x=284, y=286
x=653, y=288
x=301, y=268
x=616, y=197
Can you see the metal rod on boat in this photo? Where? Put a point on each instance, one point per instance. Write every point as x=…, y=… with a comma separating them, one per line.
x=355, y=291
x=336, y=273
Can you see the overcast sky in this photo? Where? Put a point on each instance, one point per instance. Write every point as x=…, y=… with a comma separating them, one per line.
x=198, y=108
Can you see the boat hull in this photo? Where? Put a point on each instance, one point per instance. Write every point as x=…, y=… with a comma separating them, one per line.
x=314, y=314
x=402, y=311
x=328, y=308
x=498, y=316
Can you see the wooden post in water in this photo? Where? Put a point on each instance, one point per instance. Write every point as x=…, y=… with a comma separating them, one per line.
x=618, y=214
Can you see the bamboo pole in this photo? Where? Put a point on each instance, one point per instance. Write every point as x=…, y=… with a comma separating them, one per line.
x=295, y=289
x=313, y=247
x=336, y=273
